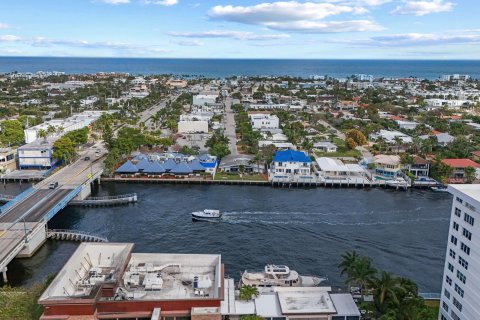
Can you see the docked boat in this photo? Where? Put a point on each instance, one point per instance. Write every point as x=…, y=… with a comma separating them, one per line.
x=439, y=189
x=279, y=276
x=207, y=215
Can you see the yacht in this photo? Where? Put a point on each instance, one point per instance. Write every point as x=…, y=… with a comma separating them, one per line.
x=207, y=215
x=279, y=276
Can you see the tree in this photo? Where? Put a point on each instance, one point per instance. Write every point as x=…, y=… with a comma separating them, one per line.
x=357, y=136
x=251, y=317
x=64, y=149
x=362, y=273
x=349, y=259
x=470, y=174
x=11, y=132
x=42, y=133
x=351, y=144
x=385, y=288
x=248, y=292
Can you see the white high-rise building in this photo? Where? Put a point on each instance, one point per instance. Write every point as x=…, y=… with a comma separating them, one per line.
x=460, y=297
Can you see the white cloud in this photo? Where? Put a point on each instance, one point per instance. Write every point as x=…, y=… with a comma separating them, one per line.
x=115, y=1
x=238, y=35
x=415, y=39
x=9, y=38
x=166, y=3
x=4, y=26
x=421, y=8
x=297, y=16
x=190, y=43
x=278, y=12
x=326, y=27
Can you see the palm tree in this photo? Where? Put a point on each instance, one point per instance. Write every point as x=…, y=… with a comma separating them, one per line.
x=398, y=143
x=470, y=174
x=248, y=292
x=51, y=130
x=362, y=273
x=42, y=134
x=349, y=259
x=385, y=289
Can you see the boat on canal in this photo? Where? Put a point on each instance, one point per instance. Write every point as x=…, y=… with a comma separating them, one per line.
x=209, y=215
x=279, y=276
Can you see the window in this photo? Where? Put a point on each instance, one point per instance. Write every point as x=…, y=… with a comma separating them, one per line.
x=448, y=280
x=469, y=206
x=446, y=293
x=454, y=316
x=463, y=262
x=452, y=253
x=469, y=219
x=460, y=277
x=445, y=306
x=459, y=200
x=459, y=290
x=455, y=225
x=467, y=234
x=442, y=317
x=457, y=304
x=458, y=212
x=450, y=267
x=465, y=248
x=453, y=239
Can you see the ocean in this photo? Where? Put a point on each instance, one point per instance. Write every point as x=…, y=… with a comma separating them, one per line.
x=221, y=68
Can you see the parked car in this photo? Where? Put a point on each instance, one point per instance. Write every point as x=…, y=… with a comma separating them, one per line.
x=86, y=158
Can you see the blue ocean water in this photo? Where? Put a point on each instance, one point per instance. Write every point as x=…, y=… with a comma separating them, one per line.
x=221, y=68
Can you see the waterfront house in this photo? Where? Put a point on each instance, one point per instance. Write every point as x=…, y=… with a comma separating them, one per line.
x=240, y=163
x=419, y=168
x=458, y=169
x=290, y=166
x=335, y=169
x=387, y=165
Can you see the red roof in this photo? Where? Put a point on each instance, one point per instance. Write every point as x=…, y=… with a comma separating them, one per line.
x=476, y=153
x=460, y=163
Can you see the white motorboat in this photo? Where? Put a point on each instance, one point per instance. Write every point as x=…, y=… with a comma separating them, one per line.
x=207, y=215
x=439, y=189
x=279, y=276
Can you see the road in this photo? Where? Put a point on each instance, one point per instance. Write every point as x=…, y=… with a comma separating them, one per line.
x=145, y=116
x=230, y=126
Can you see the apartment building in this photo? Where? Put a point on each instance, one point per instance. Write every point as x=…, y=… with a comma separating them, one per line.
x=461, y=277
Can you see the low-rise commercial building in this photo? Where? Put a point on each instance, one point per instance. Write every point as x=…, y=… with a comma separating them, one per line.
x=36, y=155
x=263, y=121
x=8, y=160
x=188, y=126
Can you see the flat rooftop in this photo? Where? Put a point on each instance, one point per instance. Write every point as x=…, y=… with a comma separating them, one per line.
x=161, y=276
x=471, y=190
x=90, y=265
x=298, y=300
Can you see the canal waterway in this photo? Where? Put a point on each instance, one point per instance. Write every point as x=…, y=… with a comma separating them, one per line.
x=306, y=229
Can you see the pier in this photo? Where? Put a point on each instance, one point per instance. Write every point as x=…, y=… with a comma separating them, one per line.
x=74, y=235
x=105, y=201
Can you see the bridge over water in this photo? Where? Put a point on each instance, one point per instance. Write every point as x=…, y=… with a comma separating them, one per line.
x=23, y=219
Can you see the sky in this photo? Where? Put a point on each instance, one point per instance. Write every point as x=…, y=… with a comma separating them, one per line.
x=313, y=29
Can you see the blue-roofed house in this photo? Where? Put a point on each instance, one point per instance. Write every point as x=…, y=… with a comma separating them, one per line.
x=154, y=168
x=182, y=168
x=127, y=168
x=169, y=165
x=196, y=166
x=291, y=165
x=208, y=162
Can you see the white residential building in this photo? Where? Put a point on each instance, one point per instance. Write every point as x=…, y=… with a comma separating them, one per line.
x=409, y=125
x=263, y=121
x=36, y=155
x=461, y=277
x=202, y=99
x=268, y=106
x=193, y=126
x=389, y=136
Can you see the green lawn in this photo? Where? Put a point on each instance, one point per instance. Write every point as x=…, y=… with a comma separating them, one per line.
x=246, y=177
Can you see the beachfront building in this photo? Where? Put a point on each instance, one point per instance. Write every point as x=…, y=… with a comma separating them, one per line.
x=240, y=163
x=290, y=166
x=8, y=162
x=461, y=277
x=387, y=165
x=261, y=121
x=458, y=166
